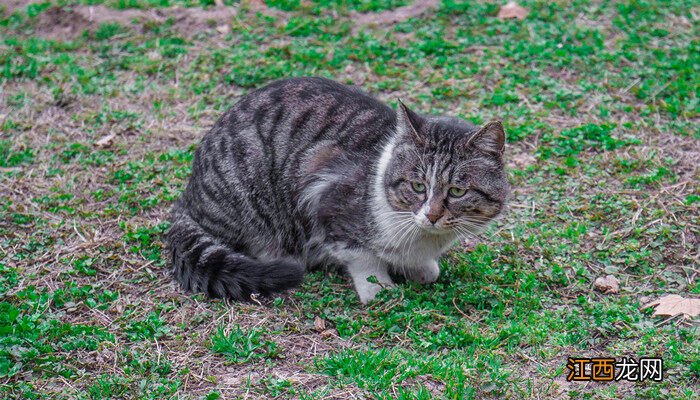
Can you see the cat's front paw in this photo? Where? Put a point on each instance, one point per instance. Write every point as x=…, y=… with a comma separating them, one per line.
x=428, y=273
x=367, y=291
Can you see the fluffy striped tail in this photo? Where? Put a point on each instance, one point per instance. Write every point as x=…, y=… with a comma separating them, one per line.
x=202, y=264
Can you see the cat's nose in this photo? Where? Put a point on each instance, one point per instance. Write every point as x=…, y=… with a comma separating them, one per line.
x=433, y=218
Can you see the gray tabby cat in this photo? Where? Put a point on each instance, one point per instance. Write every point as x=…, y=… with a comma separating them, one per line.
x=308, y=172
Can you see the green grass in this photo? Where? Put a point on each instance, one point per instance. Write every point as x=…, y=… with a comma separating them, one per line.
x=240, y=346
x=600, y=102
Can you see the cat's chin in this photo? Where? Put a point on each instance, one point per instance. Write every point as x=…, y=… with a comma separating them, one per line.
x=434, y=230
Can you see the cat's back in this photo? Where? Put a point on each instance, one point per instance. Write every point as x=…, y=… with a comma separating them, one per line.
x=290, y=113
x=297, y=94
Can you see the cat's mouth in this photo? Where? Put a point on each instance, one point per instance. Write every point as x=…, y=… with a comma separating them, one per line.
x=434, y=229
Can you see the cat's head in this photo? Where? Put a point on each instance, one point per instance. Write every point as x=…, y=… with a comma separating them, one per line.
x=446, y=172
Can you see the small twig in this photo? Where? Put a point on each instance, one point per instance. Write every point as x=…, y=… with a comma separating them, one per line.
x=653, y=96
x=628, y=88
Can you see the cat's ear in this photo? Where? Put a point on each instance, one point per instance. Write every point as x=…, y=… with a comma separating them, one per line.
x=491, y=138
x=409, y=123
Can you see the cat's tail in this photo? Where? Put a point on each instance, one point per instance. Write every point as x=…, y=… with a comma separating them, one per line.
x=202, y=264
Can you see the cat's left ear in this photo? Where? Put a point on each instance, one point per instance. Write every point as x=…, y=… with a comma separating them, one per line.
x=409, y=123
x=491, y=138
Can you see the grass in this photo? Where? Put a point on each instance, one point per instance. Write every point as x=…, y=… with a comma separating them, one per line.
x=600, y=102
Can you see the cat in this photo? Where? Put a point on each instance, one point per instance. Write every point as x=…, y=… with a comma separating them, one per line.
x=308, y=172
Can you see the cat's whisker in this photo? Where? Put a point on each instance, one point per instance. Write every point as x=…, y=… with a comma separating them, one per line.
x=393, y=217
x=478, y=224
x=402, y=253
x=412, y=241
x=396, y=214
x=403, y=234
x=474, y=226
x=481, y=234
x=474, y=230
x=398, y=228
x=474, y=218
x=402, y=242
x=465, y=233
x=461, y=235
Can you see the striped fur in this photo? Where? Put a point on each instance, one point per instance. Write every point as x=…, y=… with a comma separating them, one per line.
x=287, y=180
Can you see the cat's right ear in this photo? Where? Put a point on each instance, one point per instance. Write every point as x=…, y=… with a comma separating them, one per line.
x=491, y=139
x=409, y=123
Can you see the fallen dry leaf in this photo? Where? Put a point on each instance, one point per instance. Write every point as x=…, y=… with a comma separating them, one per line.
x=469, y=244
x=105, y=141
x=285, y=376
x=607, y=284
x=522, y=160
x=512, y=10
x=328, y=333
x=673, y=304
x=224, y=29
x=319, y=324
x=394, y=16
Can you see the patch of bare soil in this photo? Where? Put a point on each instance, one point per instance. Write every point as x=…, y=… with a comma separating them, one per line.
x=186, y=20
x=60, y=23
x=261, y=7
x=685, y=150
x=390, y=17
x=67, y=23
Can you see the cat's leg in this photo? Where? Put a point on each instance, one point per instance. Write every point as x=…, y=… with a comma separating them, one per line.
x=427, y=272
x=361, y=266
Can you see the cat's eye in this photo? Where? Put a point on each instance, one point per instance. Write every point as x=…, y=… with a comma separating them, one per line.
x=457, y=192
x=419, y=187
